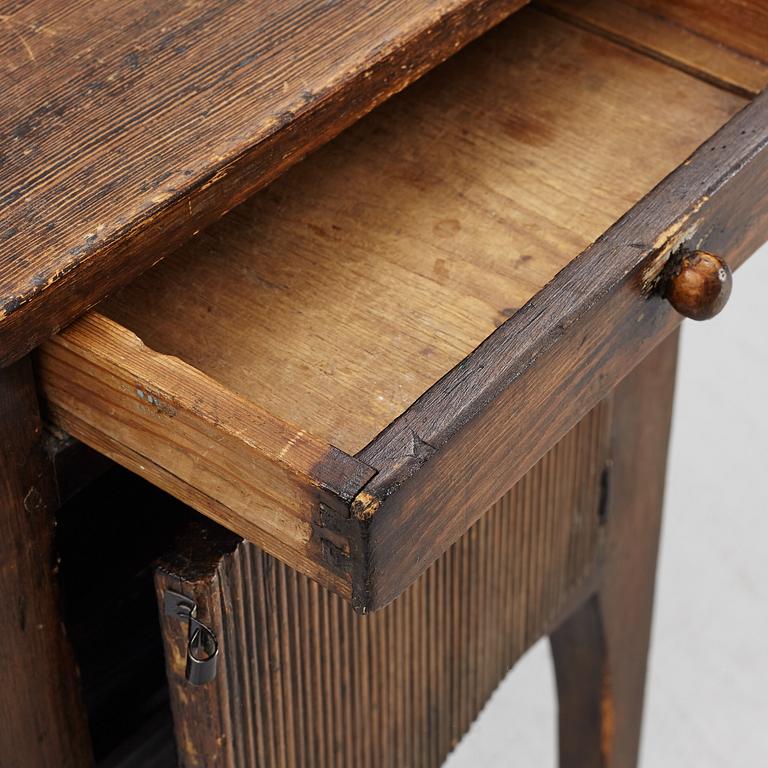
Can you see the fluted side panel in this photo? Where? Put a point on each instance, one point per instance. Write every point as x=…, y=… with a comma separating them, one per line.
x=304, y=681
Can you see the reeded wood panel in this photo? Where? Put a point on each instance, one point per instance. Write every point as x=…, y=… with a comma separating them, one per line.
x=305, y=681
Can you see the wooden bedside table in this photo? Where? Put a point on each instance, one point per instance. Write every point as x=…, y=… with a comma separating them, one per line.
x=427, y=372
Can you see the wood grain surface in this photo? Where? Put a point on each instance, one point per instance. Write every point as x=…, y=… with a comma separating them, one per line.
x=126, y=127
x=305, y=682
x=194, y=438
x=725, y=43
x=339, y=295
x=42, y=717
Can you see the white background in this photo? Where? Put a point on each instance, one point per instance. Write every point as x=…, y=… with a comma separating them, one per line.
x=707, y=694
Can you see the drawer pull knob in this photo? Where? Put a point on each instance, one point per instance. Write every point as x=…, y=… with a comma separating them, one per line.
x=699, y=285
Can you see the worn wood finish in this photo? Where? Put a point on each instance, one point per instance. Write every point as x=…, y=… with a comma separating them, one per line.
x=600, y=652
x=340, y=294
x=446, y=458
x=130, y=126
x=42, y=721
x=304, y=681
x=553, y=360
x=725, y=43
x=227, y=457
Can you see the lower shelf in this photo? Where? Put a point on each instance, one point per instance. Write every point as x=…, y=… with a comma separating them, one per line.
x=304, y=681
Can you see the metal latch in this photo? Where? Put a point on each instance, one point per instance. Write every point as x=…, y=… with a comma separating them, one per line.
x=202, y=646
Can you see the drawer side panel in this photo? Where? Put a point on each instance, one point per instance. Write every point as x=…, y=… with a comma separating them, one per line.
x=256, y=475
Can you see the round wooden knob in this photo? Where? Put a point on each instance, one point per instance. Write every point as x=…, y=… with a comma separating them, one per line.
x=699, y=285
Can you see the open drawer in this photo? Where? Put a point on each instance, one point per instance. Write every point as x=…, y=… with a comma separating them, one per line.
x=351, y=367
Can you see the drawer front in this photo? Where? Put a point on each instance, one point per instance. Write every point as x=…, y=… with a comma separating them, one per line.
x=366, y=526
x=491, y=417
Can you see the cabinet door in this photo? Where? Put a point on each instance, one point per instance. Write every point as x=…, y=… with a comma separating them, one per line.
x=303, y=680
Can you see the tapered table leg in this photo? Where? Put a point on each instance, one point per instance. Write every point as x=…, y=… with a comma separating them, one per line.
x=600, y=652
x=42, y=721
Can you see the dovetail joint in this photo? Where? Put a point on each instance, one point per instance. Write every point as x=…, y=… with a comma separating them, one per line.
x=334, y=544
x=336, y=556
x=365, y=505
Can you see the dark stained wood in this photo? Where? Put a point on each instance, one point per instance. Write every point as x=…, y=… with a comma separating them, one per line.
x=600, y=651
x=42, y=721
x=698, y=284
x=305, y=682
x=497, y=412
x=127, y=127
x=725, y=43
x=580, y=661
x=200, y=712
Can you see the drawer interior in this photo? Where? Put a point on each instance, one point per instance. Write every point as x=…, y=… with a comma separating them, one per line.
x=335, y=297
